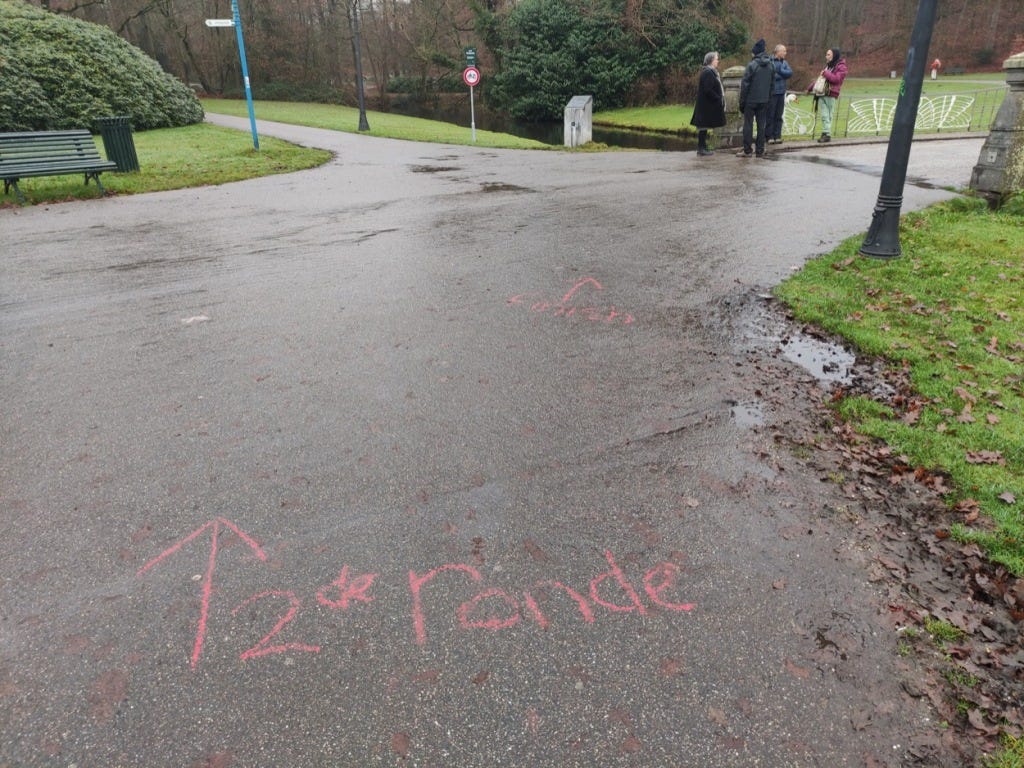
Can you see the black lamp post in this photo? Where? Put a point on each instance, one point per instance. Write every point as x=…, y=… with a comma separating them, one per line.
x=356, y=52
x=883, y=238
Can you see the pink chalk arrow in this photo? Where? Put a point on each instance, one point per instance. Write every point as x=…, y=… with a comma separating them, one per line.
x=207, y=585
x=579, y=285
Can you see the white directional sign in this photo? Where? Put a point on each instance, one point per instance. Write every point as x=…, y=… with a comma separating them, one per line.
x=220, y=22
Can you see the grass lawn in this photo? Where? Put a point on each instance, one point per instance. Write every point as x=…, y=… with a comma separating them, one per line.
x=175, y=158
x=951, y=311
x=338, y=118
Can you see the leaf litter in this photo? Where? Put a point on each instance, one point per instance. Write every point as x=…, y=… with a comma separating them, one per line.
x=975, y=684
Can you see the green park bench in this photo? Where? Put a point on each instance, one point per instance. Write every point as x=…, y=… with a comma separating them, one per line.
x=50, y=153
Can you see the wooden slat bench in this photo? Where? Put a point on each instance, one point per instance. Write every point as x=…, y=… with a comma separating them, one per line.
x=50, y=153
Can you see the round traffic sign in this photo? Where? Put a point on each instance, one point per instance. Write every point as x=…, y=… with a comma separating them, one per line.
x=471, y=76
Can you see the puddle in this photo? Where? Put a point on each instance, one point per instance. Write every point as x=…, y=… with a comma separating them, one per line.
x=764, y=328
x=433, y=168
x=826, y=362
x=500, y=187
x=870, y=170
x=749, y=414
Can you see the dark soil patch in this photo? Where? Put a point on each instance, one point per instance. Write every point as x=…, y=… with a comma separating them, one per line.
x=897, y=515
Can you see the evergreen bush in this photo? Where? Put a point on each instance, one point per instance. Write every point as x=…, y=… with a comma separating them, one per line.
x=59, y=73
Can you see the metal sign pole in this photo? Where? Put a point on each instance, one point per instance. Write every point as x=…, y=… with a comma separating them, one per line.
x=472, y=115
x=471, y=76
x=245, y=72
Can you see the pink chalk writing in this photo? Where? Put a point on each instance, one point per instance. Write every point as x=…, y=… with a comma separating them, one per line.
x=263, y=647
x=206, y=588
x=634, y=599
x=536, y=303
x=483, y=607
x=356, y=590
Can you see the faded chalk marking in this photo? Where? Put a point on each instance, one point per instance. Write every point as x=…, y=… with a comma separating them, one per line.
x=579, y=285
x=538, y=304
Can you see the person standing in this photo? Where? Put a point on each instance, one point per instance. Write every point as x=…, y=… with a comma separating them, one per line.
x=777, y=104
x=709, y=111
x=755, y=93
x=835, y=72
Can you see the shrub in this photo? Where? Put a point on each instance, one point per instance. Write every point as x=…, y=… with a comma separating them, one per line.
x=58, y=73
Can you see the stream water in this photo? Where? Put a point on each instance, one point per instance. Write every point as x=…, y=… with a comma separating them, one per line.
x=457, y=112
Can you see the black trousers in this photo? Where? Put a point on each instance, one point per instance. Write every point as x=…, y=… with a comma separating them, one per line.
x=776, y=108
x=758, y=113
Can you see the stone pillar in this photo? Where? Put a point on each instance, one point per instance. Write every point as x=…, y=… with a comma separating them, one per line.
x=731, y=135
x=1000, y=168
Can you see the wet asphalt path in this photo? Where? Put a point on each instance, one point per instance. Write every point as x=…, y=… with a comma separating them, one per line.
x=425, y=457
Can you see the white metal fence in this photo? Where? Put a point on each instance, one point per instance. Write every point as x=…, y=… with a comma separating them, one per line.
x=958, y=112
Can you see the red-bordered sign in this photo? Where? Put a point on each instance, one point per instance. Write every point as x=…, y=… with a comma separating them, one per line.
x=471, y=76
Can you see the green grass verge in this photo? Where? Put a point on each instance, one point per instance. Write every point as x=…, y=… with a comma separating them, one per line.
x=668, y=118
x=175, y=158
x=1010, y=756
x=951, y=311
x=346, y=119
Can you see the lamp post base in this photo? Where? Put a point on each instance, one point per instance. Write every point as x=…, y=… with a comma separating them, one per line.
x=883, y=238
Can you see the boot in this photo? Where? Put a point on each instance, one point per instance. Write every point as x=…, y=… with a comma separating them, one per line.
x=824, y=138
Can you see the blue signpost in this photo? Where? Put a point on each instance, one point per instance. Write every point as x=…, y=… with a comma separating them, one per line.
x=236, y=22
x=245, y=72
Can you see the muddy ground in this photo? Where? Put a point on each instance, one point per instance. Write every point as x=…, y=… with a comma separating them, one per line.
x=895, y=523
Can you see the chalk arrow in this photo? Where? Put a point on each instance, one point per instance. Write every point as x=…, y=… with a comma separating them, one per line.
x=207, y=586
x=579, y=285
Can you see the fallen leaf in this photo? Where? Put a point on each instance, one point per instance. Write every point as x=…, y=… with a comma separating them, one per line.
x=796, y=671
x=631, y=744
x=1008, y=497
x=977, y=718
x=670, y=667
x=964, y=395
x=400, y=743
x=985, y=457
x=717, y=716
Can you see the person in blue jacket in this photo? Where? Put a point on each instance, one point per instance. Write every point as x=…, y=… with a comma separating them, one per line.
x=777, y=105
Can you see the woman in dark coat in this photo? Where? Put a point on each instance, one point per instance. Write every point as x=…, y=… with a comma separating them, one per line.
x=709, y=111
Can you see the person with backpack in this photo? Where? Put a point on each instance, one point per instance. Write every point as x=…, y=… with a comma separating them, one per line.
x=755, y=93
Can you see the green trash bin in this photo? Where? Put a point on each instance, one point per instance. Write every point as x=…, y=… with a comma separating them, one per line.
x=118, y=142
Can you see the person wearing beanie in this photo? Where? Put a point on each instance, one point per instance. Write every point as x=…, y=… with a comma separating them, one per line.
x=755, y=93
x=709, y=111
x=835, y=72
